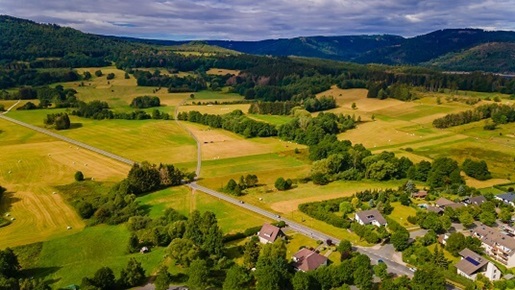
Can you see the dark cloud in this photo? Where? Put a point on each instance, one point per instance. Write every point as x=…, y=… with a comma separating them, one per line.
x=248, y=20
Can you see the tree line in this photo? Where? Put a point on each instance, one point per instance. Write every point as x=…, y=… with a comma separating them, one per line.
x=235, y=122
x=285, y=108
x=143, y=102
x=99, y=110
x=499, y=113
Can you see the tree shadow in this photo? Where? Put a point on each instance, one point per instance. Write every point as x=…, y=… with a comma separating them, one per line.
x=8, y=199
x=75, y=126
x=40, y=273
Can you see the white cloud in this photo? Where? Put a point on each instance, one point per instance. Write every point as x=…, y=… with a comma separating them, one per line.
x=250, y=19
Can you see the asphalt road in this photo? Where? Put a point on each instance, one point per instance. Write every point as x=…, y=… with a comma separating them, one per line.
x=393, y=266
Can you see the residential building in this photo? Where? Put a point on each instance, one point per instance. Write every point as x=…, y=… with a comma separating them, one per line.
x=419, y=194
x=444, y=202
x=434, y=209
x=306, y=260
x=472, y=264
x=508, y=197
x=370, y=217
x=269, y=234
x=498, y=245
x=475, y=200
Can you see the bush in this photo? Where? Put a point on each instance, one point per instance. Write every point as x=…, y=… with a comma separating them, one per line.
x=110, y=76
x=79, y=176
x=282, y=184
x=98, y=73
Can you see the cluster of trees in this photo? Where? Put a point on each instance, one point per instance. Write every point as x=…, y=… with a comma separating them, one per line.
x=283, y=184
x=499, y=113
x=174, y=83
x=319, y=104
x=476, y=169
x=29, y=77
x=99, y=110
x=237, y=189
x=104, y=279
x=60, y=97
x=380, y=90
x=120, y=203
x=235, y=122
x=305, y=129
x=340, y=160
x=60, y=121
x=272, y=108
x=145, y=102
x=11, y=276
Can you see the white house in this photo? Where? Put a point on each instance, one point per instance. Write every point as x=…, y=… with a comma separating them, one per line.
x=370, y=217
x=472, y=264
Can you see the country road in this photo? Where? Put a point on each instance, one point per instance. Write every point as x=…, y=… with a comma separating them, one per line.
x=393, y=266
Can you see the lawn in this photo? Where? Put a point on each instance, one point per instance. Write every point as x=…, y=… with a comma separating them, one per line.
x=276, y=120
x=401, y=213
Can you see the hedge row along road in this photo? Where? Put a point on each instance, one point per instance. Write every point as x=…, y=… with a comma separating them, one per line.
x=393, y=266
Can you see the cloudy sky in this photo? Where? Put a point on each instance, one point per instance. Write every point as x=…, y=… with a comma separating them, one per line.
x=263, y=19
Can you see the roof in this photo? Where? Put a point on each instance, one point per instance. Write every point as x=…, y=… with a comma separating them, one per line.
x=455, y=205
x=368, y=216
x=471, y=262
x=508, y=196
x=434, y=209
x=477, y=199
x=492, y=237
x=420, y=193
x=443, y=202
x=269, y=232
x=307, y=260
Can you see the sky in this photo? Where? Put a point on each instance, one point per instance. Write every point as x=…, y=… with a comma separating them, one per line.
x=264, y=19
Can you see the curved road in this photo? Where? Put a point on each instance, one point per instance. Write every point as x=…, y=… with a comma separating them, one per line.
x=307, y=231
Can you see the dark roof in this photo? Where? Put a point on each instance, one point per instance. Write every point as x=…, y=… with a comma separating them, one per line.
x=471, y=262
x=368, y=216
x=443, y=202
x=269, y=232
x=434, y=209
x=307, y=260
x=477, y=199
x=508, y=196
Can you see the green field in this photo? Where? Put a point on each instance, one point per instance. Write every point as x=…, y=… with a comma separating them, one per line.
x=67, y=260
x=230, y=218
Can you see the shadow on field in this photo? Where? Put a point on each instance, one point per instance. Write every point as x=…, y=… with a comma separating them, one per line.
x=41, y=273
x=8, y=199
x=75, y=126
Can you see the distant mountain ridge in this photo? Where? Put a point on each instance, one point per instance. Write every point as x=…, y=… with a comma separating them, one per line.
x=448, y=49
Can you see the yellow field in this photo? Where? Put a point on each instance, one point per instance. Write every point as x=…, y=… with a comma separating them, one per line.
x=221, y=144
x=31, y=165
x=222, y=72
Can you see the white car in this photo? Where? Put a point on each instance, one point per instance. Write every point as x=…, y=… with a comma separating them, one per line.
x=412, y=269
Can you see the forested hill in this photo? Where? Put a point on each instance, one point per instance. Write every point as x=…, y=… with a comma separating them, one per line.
x=24, y=40
x=433, y=49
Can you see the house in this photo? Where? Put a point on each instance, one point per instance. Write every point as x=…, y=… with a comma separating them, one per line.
x=435, y=209
x=419, y=194
x=269, y=233
x=475, y=200
x=508, y=197
x=442, y=239
x=444, y=202
x=472, y=264
x=372, y=217
x=498, y=245
x=306, y=260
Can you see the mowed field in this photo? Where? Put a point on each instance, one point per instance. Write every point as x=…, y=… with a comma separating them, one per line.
x=151, y=140
x=31, y=165
x=399, y=125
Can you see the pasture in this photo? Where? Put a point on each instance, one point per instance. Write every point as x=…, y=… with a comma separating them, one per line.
x=32, y=164
x=399, y=125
